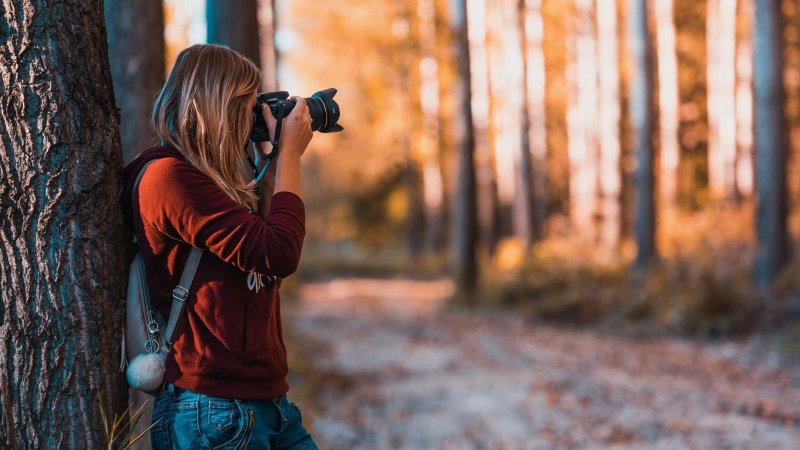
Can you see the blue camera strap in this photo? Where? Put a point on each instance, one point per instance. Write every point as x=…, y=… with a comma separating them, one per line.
x=275, y=143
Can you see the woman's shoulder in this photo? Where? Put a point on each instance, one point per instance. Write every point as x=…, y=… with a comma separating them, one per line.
x=171, y=173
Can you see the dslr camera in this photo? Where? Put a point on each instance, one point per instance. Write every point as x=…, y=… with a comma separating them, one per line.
x=323, y=109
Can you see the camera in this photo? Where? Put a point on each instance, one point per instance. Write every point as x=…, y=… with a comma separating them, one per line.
x=323, y=109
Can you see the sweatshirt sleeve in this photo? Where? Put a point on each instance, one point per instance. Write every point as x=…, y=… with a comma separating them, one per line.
x=181, y=201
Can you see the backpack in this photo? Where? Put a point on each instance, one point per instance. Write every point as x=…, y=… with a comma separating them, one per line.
x=144, y=346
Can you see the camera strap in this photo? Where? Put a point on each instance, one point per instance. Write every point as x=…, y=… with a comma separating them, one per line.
x=275, y=144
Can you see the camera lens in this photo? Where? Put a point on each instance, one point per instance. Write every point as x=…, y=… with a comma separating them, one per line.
x=322, y=108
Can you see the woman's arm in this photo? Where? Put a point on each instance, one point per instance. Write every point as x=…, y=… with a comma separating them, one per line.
x=284, y=173
x=295, y=136
x=181, y=202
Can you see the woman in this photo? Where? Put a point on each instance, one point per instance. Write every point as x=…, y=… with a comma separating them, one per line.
x=225, y=382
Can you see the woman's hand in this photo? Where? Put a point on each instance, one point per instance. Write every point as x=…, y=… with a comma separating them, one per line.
x=295, y=135
x=296, y=129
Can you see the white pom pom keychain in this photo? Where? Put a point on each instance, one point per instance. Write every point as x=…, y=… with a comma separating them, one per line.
x=145, y=372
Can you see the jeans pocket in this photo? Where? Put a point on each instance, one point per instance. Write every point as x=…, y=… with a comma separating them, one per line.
x=221, y=421
x=220, y=414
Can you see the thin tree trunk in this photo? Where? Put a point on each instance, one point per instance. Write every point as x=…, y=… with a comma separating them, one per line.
x=482, y=113
x=668, y=104
x=535, y=108
x=464, y=203
x=608, y=123
x=136, y=55
x=721, y=41
x=523, y=189
x=771, y=143
x=744, y=101
x=429, y=103
x=581, y=121
x=506, y=81
x=268, y=26
x=642, y=112
x=63, y=246
x=234, y=23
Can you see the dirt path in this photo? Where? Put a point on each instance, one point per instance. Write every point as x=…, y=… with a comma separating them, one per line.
x=419, y=377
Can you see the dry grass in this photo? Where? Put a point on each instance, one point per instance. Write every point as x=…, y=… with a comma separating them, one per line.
x=701, y=285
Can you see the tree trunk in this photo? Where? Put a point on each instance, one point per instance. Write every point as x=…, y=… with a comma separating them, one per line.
x=770, y=143
x=532, y=136
x=581, y=121
x=668, y=104
x=433, y=187
x=486, y=186
x=608, y=123
x=721, y=81
x=234, y=23
x=268, y=26
x=641, y=112
x=136, y=54
x=534, y=133
x=522, y=210
x=464, y=203
x=64, y=247
x=505, y=80
x=744, y=101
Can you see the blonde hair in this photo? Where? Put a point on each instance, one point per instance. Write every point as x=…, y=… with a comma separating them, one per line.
x=202, y=111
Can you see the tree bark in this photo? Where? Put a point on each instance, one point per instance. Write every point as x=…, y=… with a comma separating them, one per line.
x=770, y=144
x=464, y=204
x=64, y=248
x=234, y=23
x=136, y=54
x=642, y=112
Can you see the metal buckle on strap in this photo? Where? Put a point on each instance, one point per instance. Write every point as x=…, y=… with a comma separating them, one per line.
x=180, y=293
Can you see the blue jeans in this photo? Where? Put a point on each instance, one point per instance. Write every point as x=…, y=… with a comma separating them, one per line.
x=189, y=420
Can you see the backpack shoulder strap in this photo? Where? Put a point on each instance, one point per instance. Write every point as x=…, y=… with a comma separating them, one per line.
x=181, y=291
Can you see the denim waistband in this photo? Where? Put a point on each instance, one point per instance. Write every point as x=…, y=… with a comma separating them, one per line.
x=167, y=386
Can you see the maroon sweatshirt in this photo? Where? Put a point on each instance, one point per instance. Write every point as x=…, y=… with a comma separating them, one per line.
x=230, y=344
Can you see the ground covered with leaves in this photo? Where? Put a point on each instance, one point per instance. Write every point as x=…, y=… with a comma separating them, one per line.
x=389, y=367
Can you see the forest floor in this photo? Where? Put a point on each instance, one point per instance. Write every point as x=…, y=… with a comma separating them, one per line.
x=393, y=368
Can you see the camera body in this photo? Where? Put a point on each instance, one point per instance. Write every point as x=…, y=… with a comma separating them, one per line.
x=323, y=109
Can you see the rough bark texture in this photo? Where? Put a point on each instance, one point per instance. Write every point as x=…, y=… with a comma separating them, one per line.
x=136, y=54
x=642, y=112
x=234, y=23
x=63, y=247
x=464, y=204
x=770, y=144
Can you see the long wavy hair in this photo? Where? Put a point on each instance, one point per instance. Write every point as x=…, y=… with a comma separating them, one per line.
x=202, y=111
